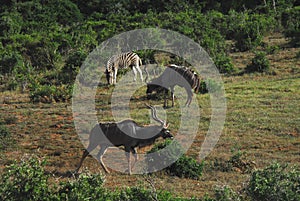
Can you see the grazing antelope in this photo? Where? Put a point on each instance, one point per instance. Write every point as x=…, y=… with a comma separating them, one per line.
x=125, y=133
x=124, y=60
x=172, y=76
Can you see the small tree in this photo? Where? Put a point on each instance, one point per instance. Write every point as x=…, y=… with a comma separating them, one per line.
x=259, y=63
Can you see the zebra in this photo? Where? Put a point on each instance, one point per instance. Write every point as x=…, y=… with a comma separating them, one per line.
x=172, y=76
x=124, y=60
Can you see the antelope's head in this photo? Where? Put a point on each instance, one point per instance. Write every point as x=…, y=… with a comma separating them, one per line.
x=164, y=132
x=151, y=87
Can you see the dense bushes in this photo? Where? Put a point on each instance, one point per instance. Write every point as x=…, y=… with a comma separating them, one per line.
x=276, y=182
x=291, y=23
x=28, y=181
x=25, y=181
x=248, y=29
x=58, y=35
x=50, y=93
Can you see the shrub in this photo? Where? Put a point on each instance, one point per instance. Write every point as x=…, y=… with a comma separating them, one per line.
x=185, y=167
x=225, y=193
x=136, y=194
x=224, y=63
x=290, y=20
x=84, y=187
x=48, y=94
x=247, y=29
x=259, y=63
x=272, y=49
x=5, y=137
x=209, y=86
x=166, y=156
x=276, y=182
x=72, y=66
x=237, y=162
x=25, y=181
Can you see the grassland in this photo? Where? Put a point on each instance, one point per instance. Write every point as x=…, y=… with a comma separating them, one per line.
x=262, y=125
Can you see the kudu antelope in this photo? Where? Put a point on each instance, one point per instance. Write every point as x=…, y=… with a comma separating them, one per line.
x=172, y=76
x=125, y=133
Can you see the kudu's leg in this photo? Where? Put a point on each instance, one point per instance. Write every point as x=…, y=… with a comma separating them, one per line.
x=128, y=156
x=173, y=96
x=189, y=98
x=100, y=155
x=86, y=152
x=165, y=98
x=136, y=157
x=84, y=155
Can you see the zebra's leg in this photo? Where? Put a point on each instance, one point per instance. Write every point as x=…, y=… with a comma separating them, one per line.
x=114, y=81
x=140, y=72
x=189, y=98
x=134, y=73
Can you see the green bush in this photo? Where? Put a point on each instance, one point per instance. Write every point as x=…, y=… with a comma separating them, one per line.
x=259, y=63
x=290, y=20
x=247, y=29
x=276, y=182
x=210, y=86
x=25, y=181
x=225, y=193
x=28, y=181
x=72, y=66
x=136, y=194
x=50, y=93
x=185, y=167
x=84, y=187
x=237, y=162
x=5, y=137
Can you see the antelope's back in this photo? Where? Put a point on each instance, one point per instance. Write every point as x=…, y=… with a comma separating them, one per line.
x=117, y=134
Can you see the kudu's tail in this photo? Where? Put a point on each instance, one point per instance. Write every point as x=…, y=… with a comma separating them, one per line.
x=198, y=83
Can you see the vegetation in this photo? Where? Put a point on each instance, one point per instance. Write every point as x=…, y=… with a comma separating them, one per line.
x=259, y=63
x=184, y=166
x=27, y=181
x=53, y=38
x=255, y=46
